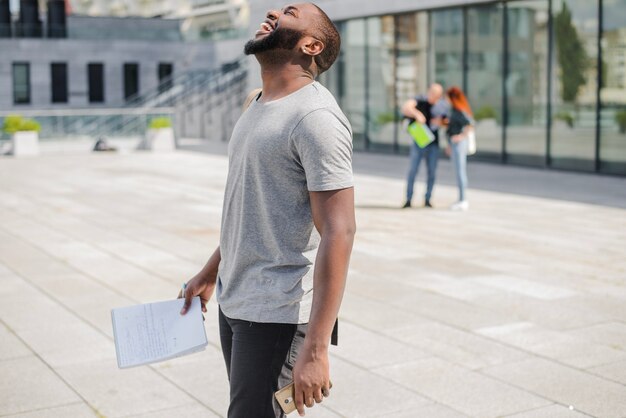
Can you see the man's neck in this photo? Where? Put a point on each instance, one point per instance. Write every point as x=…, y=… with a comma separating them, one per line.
x=280, y=80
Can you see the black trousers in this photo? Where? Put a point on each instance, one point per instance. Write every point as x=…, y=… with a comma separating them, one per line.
x=259, y=360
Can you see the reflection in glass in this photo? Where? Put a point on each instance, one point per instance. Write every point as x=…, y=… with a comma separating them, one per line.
x=613, y=91
x=526, y=83
x=447, y=44
x=21, y=83
x=575, y=27
x=353, y=77
x=380, y=80
x=412, y=58
x=484, y=78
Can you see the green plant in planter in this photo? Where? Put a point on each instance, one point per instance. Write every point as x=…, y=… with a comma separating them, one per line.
x=565, y=117
x=620, y=118
x=485, y=112
x=385, y=118
x=15, y=123
x=30, y=125
x=159, y=123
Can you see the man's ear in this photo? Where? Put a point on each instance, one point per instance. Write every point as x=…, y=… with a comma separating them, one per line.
x=312, y=46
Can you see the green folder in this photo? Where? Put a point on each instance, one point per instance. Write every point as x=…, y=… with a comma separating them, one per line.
x=421, y=134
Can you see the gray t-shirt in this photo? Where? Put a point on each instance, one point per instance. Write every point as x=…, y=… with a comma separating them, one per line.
x=278, y=152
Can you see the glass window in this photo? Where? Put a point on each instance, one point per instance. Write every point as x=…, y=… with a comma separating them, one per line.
x=165, y=73
x=447, y=43
x=526, y=82
x=380, y=83
x=613, y=91
x=412, y=62
x=95, y=79
x=352, y=75
x=21, y=83
x=58, y=77
x=484, y=77
x=575, y=26
x=131, y=80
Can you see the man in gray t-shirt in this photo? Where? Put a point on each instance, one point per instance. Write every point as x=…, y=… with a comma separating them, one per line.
x=287, y=223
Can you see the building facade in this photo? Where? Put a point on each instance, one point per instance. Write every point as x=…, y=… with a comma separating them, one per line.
x=94, y=61
x=545, y=78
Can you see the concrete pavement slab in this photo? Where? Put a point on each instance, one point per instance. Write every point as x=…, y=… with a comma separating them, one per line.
x=28, y=384
x=193, y=410
x=118, y=393
x=566, y=348
x=358, y=393
x=612, y=371
x=457, y=346
x=11, y=347
x=430, y=411
x=81, y=234
x=77, y=410
x=586, y=393
x=552, y=411
x=462, y=389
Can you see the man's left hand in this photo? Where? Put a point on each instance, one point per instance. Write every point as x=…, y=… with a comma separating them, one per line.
x=311, y=377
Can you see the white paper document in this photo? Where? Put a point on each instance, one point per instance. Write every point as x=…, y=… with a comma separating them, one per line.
x=155, y=332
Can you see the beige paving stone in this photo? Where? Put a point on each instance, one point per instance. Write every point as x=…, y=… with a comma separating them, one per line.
x=427, y=411
x=525, y=287
x=552, y=411
x=462, y=389
x=375, y=315
x=427, y=304
x=11, y=346
x=116, y=393
x=24, y=307
x=586, y=393
x=194, y=410
x=611, y=371
x=357, y=393
x=564, y=347
x=369, y=349
x=80, y=234
x=611, y=334
x=456, y=288
x=77, y=410
x=203, y=375
x=71, y=342
x=28, y=384
x=457, y=346
x=554, y=314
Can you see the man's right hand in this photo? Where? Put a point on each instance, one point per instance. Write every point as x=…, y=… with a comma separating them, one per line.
x=202, y=284
x=419, y=116
x=197, y=286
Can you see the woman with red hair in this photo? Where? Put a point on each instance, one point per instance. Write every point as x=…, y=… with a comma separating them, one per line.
x=460, y=124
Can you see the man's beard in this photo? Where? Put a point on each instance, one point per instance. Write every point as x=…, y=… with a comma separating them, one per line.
x=281, y=38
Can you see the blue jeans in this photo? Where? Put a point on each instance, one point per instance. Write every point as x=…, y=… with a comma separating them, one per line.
x=431, y=152
x=459, y=159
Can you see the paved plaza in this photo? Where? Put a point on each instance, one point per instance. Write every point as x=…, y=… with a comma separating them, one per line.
x=516, y=308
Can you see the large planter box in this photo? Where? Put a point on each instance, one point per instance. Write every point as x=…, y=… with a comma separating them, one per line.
x=161, y=139
x=25, y=143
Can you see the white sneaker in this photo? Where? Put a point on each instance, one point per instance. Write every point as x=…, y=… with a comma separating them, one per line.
x=461, y=206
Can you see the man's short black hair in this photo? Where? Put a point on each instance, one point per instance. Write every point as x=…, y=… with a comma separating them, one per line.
x=329, y=35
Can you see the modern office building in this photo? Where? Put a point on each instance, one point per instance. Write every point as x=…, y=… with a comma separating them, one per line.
x=546, y=78
x=55, y=60
x=200, y=19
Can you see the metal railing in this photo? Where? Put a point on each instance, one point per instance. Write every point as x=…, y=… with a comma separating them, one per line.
x=200, y=104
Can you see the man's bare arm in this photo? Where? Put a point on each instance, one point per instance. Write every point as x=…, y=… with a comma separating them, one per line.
x=203, y=283
x=333, y=215
x=409, y=109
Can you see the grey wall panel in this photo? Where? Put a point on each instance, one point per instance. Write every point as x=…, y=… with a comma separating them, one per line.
x=113, y=53
x=350, y=9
